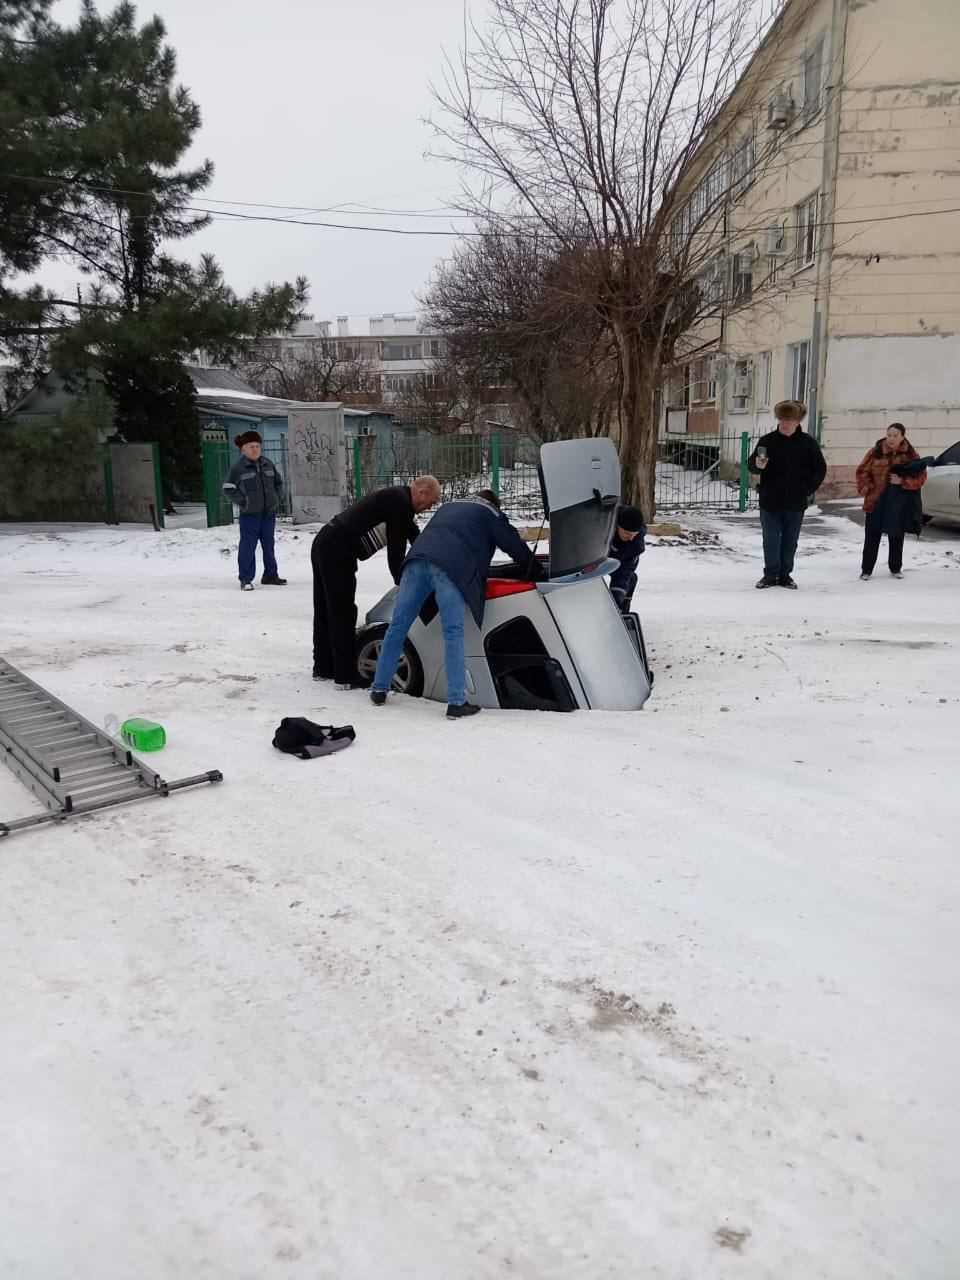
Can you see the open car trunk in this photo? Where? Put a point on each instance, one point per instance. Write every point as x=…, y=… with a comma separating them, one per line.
x=559, y=644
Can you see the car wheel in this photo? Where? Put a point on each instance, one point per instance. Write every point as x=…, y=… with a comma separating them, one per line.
x=409, y=677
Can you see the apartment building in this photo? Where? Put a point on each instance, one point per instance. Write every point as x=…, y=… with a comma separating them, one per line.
x=824, y=215
x=399, y=353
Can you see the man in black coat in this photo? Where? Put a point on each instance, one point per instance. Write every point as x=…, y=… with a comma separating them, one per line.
x=384, y=518
x=450, y=560
x=627, y=547
x=791, y=468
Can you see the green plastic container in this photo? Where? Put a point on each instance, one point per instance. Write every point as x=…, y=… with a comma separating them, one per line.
x=143, y=735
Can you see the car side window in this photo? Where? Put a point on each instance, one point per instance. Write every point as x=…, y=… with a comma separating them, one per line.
x=950, y=457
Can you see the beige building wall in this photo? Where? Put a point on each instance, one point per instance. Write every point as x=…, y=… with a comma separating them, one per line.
x=866, y=327
x=894, y=305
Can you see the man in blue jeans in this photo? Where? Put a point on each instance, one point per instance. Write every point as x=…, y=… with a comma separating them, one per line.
x=254, y=486
x=450, y=560
x=791, y=468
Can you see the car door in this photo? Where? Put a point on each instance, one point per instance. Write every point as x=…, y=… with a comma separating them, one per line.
x=941, y=493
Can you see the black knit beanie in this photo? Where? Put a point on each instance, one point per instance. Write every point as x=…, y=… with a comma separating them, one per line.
x=630, y=518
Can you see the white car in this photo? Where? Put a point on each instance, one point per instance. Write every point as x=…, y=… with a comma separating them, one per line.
x=560, y=644
x=941, y=493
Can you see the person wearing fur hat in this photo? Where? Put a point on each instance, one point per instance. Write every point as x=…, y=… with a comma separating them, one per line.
x=254, y=485
x=791, y=468
x=627, y=547
x=890, y=478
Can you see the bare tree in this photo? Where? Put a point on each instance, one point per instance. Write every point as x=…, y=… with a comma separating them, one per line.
x=593, y=126
x=511, y=321
x=438, y=400
x=325, y=369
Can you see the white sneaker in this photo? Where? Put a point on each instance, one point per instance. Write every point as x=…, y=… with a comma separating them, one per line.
x=864, y=577
x=246, y=586
x=896, y=575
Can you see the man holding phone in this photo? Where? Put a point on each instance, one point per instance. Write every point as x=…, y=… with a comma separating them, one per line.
x=791, y=467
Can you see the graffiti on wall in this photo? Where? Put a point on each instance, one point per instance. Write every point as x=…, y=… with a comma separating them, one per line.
x=315, y=451
x=315, y=442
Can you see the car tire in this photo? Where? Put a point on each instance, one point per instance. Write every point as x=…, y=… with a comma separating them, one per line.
x=409, y=677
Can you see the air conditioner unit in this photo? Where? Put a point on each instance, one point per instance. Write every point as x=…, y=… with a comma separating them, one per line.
x=781, y=112
x=773, y=245
x=742, y=386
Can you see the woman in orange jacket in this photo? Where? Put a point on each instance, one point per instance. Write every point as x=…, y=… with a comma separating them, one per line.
x=888, y=478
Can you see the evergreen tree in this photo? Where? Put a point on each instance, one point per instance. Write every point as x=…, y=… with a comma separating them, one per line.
x=104, y=189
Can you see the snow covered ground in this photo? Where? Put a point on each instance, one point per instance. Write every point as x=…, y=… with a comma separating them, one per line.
x=665, y=995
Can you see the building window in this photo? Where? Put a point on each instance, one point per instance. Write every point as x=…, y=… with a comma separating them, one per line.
x=743, y=275
x=812, y=82
x=711, y=380
x=436, y=348
x=743, y=163
x=806, y=225
x=798, y=371
x=764, y=370
x=740, y=387
x=711, y=282
x=680, y=231
x=404, y=351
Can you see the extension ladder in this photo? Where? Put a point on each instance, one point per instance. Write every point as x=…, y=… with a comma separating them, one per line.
x=67, y=762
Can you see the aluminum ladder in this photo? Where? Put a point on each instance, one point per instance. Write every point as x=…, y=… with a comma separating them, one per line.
x=67, y=762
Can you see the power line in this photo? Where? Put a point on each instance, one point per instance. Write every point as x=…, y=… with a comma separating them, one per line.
x=228, y=216
x=360, y=209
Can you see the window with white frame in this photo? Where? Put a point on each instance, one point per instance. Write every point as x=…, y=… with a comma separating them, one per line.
x=764, y=370
x=403, y=351
x=711, y=380
x=740, y=386
x=798, y=371
x=812, y=81
x=743, y=275
x=743, y=162
x=680, y=231
x=711, y=282
x=806, y=227
x=695, y=378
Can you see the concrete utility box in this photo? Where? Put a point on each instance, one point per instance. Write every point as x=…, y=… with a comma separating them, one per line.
x=317, y=454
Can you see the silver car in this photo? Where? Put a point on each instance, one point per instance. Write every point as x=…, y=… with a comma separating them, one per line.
x=560, y=644
x=941, y=493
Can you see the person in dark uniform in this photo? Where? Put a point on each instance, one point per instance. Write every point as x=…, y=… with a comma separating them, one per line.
x=628, y=546
x=384, y=518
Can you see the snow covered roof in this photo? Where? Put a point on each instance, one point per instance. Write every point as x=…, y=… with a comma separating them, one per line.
x=216, y=381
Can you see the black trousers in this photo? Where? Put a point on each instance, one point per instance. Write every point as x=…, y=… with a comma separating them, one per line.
x=334, y=606
x=871, y=549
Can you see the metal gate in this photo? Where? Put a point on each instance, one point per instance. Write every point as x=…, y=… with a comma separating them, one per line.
x=215, y=449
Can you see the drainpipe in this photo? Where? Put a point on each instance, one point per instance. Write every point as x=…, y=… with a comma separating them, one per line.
x=828, y=202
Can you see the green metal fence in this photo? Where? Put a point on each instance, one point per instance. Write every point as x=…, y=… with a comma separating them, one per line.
x=693, y=471
x=276, y=451
x=706, y=471
x=507, y=464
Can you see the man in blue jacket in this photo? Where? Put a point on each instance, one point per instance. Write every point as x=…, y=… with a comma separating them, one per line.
x=450, y=560
x=254, y=485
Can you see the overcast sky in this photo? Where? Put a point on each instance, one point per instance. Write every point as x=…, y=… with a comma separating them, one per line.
x=316, y=103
